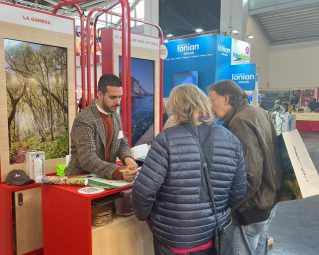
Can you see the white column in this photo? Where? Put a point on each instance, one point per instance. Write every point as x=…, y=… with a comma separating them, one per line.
x=151, y=14
x=234, y=15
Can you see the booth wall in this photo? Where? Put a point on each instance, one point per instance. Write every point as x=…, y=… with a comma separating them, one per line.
x=37, y=36
x=294, y=66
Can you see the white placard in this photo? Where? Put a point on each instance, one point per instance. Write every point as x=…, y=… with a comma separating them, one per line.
x=90, y=190
x=240, y=52
x=36, y=19
x=140, y=151
x=305, y=171
x=137, y=40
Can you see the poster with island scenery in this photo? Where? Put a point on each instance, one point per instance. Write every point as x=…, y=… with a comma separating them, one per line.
x=37, y=99
x=142, y=82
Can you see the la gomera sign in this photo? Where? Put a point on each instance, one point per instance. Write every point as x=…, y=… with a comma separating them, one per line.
x=40, y=20
x=34, y=19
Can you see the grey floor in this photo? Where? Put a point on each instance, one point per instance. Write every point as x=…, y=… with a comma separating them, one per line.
x=295, y=228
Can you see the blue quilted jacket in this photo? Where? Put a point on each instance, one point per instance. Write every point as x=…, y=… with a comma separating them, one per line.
x=169, y=189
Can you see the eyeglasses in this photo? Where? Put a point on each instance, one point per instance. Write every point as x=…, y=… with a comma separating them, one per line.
x=213, y=100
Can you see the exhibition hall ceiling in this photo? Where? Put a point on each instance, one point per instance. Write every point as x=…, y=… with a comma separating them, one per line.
x=287, y=21
x=46, y=5
x=281, y=21
x=183, y=17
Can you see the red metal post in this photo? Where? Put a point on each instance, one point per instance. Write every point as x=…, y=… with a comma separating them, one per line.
x=88, y=50
x=94, y=54
x=126, y=54
x=103, y=11
x=126, y=42
x=161, y=67
x=74, y=3
x=161, y=36
x=89, y=45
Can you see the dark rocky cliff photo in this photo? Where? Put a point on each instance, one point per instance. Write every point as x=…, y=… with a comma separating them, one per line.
x=137, y=89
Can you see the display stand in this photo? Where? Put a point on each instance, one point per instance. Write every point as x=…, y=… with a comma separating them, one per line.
x=36, y=28
x=20, y=208
x=67, y=226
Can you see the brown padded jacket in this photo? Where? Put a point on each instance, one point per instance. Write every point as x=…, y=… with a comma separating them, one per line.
x=254, y=128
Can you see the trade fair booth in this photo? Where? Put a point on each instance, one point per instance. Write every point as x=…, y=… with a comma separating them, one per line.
x=37, y=99
x=38, y=106
x=49, y=71
x=205, y=59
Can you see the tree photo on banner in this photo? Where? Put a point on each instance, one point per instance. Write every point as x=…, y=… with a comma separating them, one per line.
x=37, y=99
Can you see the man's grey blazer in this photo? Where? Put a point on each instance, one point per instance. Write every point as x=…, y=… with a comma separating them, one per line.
x=88, y=144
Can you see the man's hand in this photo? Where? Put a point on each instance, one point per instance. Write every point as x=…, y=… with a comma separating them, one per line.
x=118, y=175
x=129, y=175
x=130, y=163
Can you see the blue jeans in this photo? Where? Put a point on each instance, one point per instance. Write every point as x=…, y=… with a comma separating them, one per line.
x=162, y=250
x=251, y=239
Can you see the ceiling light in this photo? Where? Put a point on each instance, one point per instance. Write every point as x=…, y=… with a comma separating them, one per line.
x=170, y=35
x=234, y=32
x=199, y=30
x=250, y=37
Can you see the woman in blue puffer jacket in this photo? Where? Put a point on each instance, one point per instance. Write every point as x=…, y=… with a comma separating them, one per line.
x=169, y=190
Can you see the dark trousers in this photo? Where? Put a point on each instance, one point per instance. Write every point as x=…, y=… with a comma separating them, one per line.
x=162, y=250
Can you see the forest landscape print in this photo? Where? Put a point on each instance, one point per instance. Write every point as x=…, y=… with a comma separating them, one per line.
x=37, y=99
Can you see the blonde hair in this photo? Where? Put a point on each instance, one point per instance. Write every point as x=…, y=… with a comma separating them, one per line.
x=190, y=104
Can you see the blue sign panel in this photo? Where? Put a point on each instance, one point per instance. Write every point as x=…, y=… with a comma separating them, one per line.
x=201, y=46
x=244, y=75
x=223, y=57
x=206, y=59
x=190, y=60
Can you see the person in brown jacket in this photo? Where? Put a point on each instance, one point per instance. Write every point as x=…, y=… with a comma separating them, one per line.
x=97, y=138
x=255, y=130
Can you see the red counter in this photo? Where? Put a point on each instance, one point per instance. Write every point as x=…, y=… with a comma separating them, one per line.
x=307, y=126
x=67, y=226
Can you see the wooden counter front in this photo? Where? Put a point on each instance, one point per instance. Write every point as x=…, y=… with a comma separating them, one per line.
x=67, y=226
x=126, y=236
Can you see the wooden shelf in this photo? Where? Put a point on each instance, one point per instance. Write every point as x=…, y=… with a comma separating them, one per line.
x=116, y=220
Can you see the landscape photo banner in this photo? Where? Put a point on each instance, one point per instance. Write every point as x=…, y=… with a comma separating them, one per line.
x=37, y=99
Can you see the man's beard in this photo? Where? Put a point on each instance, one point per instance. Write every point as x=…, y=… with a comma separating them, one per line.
x=108, y=109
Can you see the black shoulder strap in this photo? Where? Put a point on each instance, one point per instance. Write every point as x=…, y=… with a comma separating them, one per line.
x=205, y=174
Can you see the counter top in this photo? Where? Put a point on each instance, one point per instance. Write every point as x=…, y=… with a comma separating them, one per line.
x=74, y=190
